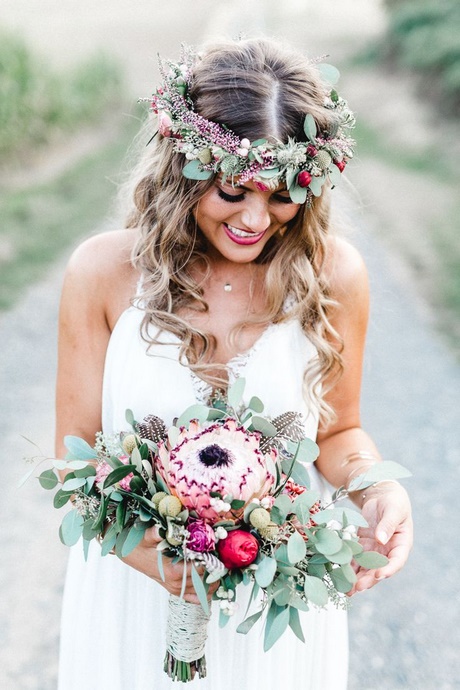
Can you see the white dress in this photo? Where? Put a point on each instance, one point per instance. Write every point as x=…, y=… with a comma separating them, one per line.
x=113, y=619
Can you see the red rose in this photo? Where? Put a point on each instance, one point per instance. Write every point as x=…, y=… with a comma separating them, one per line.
x=238, y=549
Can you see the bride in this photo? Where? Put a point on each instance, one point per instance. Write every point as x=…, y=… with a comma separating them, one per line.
x=228, y=267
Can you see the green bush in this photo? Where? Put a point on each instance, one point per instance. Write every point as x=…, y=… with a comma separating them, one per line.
x=424, y=35
x=36, y=102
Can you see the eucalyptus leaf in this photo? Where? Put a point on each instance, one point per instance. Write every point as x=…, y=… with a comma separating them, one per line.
x=61, y=498
x=71, y=528
x=380, y=471
x=282, y=596
x=329, y=73
x=276, y=624
x=335, y=175
x=25, y=477
x=342, y=557
x=256, y=404
x=235, y=392
x=129, y=416
x=308, y=451
x=247, y=624
x=316, y=185
x=173, y=435
x=371, y=559
x=298, y=194
x=299, y=474
x=281, y=508
x=193, y=171
x=198, y=412
x=88, y=471
x=353, y=517
x=109, y=540
x=309, y=127
x=134, y=538
x=264, y=426
x=339, y=580
x=349, y=573
x=296, y=548
x=298, y=603
x=294, y=624
x=268, y=173
x=200, y=590
x=79, y=448
x=315, y=590
x=328, y=541
x=136, y=459
x=48, y=479
x=74, y=483
x=266, y=571
x=291, y=174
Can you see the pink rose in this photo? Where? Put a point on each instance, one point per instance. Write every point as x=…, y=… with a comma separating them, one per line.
x=164, y=123
x=201, y=537
x=238, y=549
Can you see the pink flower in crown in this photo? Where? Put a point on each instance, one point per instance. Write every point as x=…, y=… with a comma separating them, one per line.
x=164, y=123
x=222, y=458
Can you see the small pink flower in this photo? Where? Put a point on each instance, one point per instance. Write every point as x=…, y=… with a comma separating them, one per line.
x=261, y=186
x=164, y=123
x=202, y=537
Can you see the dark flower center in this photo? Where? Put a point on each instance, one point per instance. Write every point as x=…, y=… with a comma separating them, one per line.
x=214, y=455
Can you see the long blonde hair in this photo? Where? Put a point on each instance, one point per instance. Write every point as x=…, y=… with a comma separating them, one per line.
x=257, y=89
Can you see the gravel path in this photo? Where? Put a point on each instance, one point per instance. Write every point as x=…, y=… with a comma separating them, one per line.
x=405, y=633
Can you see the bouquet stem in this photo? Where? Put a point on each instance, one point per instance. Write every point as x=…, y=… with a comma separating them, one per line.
x=185, y=640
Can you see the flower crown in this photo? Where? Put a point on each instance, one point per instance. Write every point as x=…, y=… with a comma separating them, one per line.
x=211, y=148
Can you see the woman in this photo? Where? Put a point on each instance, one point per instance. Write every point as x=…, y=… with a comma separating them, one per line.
x=228, y=267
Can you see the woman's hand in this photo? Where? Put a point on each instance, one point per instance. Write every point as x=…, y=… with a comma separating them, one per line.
x=144, y=558
x=386, y=507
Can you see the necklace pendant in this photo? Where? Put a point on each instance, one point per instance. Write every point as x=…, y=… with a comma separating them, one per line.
x=227, y=287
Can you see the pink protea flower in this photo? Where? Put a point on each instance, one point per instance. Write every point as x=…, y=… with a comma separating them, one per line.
x=222, y=458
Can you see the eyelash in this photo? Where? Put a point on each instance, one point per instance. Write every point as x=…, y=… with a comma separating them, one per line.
x=235, y=198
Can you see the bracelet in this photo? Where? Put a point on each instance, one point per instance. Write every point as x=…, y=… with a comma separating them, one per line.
x=367, y=460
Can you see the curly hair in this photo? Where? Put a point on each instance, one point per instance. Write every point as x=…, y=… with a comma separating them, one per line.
x=258, y=89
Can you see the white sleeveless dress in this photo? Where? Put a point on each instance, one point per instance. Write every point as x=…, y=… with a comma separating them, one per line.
x=113, y=619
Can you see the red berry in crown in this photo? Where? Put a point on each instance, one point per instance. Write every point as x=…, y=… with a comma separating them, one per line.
x=303, y=178
x=340, y=164
x=311, y=151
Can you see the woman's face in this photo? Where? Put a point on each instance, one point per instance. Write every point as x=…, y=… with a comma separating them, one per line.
x=238, y=221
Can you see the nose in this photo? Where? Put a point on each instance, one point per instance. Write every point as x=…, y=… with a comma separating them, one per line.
x=255, y=215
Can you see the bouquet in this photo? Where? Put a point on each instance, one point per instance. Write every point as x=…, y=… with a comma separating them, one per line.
x=229, y=491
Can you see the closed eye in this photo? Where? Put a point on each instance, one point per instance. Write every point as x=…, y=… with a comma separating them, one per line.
x=282, y=199
x=231, y=198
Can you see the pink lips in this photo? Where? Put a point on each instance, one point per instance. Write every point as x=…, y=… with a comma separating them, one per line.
x=243, y=240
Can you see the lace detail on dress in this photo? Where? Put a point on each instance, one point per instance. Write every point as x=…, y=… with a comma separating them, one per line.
x=202, y=389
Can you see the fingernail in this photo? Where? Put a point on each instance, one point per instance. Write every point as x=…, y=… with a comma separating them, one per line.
x=382, y=537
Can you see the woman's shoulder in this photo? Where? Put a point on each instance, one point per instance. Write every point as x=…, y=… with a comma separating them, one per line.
x=345, y=270
x=104, y=252
x=100, y=272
